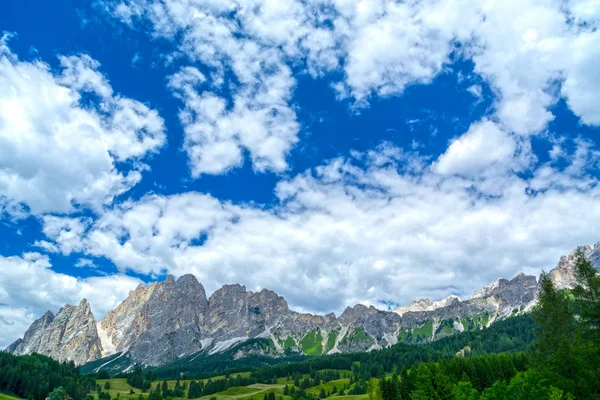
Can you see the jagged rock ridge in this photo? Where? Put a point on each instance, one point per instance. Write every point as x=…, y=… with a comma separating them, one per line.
x=70, y=335
x=167, y=320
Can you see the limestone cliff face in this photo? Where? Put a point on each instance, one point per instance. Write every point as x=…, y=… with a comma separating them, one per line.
x=158, y=323
x=123, y=326
x=69, y=336
x=168, y=320
x=563, y=275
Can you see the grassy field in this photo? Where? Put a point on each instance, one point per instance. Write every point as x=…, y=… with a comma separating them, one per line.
x=328, y=387
x=120, y=389
x=6, y=396
x=252, y=392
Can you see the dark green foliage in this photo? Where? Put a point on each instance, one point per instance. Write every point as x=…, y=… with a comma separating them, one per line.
x=138, y=380
x=587, y=298
x=58, y=394
x=36, y=376
x=104, y=396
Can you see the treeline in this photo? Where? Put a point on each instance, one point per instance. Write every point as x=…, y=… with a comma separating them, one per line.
x=449, y=378
x=564, y=363
x=199, y=389
x=511, y=335
x=35, y=376
x=202, y=366
x=140, y=380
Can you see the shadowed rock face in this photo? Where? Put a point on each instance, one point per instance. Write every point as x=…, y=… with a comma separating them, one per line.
x=164, y=321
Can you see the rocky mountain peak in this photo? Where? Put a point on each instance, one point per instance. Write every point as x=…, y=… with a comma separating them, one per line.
x=69, y=335
x=563, y=275
x=357, y=313
x=427, y=305
x=166, y=320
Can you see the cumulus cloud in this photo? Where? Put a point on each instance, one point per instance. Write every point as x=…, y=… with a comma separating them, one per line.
x=380, y=225
x=259, y=120
x=29, y=280
x=57, y=153
x=383, y=225
x=530, y=52
x=485, y=145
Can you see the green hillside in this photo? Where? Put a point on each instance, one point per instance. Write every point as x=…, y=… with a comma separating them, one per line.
x=6, y=396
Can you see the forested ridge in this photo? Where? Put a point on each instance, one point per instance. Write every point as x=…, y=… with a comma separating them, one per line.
x=551, y=354
x=35, y=376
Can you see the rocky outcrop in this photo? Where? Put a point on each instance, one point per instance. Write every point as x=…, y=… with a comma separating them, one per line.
x=563, y=275
x=71, y=335
x=164, y=321
x=158, y=323
x=427, y=305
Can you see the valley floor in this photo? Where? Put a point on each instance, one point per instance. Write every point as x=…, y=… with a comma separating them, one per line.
x=121, y=390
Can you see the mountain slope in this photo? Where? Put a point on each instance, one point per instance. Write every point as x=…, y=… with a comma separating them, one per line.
x=171, y=320
x=71, y=335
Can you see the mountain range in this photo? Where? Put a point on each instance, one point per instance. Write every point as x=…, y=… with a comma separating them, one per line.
x=174, y=319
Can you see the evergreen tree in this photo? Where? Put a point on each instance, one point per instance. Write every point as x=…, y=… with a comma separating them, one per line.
x=107, y=385
x=587, y=297
x=555, y=345
x=58, y=394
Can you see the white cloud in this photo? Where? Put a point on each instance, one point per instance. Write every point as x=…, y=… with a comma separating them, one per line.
x=484, y=145
x=582, y=83
x=57, y=153
x=382, y=225
x=85, y=263
x=259, y=120
x=475, y=90
x=29, y=287
x=524, y=50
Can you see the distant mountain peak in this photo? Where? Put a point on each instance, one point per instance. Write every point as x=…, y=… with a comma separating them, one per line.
x=164, y=321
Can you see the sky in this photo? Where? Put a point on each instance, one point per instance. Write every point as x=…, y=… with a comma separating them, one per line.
x=334, y=151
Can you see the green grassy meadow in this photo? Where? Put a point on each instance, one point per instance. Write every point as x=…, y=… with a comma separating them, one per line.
x=119, y=389
x=6, y=396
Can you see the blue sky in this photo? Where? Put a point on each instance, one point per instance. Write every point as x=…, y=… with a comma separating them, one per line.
x=333, y=151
